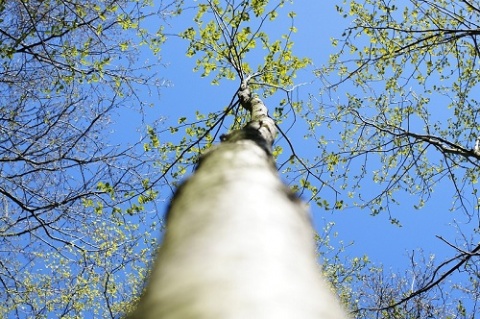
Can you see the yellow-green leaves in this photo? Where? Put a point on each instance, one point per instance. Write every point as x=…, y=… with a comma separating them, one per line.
x=188, y=34
x=258, y=6
x=153, y=142
x=126, y=22
x=332, y=161
x=229, y=42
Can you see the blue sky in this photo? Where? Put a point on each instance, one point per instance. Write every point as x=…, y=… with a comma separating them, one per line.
x=317, y=22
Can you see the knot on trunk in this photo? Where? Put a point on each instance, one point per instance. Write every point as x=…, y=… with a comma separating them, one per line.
x=261, y=128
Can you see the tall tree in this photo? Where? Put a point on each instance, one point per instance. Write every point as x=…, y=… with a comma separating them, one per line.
x=67, y=69
x=414, y=67
x=238, y=242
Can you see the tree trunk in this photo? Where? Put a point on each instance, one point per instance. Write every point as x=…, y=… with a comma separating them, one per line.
x=238, y=243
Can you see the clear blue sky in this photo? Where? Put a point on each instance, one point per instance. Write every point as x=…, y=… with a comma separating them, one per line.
x=317, y=22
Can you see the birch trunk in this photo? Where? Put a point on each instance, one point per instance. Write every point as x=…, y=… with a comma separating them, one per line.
x=238, y=243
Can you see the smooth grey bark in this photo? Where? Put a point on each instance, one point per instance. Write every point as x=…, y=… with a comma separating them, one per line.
x=238, y=243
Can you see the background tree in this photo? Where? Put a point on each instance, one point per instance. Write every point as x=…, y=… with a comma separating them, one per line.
x=411, y=127
x=68, y=68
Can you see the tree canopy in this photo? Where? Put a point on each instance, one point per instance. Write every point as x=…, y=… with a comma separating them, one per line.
x=392, y=116
x=410, y=126
x=71, y=197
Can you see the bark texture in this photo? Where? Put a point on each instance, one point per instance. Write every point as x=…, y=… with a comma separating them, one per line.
x=238, y=243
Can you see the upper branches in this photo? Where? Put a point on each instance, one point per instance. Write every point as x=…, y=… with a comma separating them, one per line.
x=230, y=41
x=415, y=70
x=428, y=37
